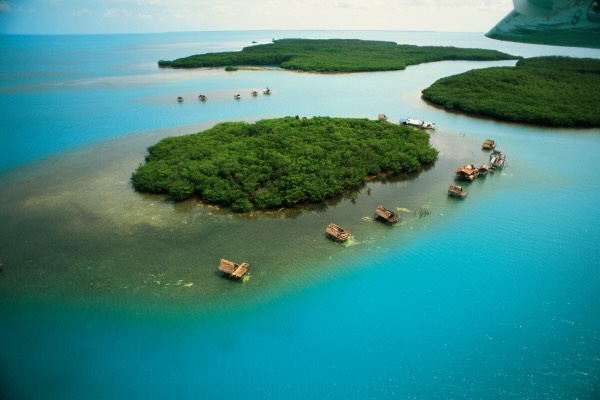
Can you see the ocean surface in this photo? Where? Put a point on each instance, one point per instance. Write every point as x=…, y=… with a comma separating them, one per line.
x=111, y=294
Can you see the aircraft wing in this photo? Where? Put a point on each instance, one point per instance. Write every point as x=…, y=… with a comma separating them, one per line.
x=573, y=23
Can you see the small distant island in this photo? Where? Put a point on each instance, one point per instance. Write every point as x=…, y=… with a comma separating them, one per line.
x=550, y=91
x=280, y=162
x=335, y=55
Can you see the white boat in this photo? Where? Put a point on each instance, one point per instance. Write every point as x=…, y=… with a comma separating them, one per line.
x=418, y=123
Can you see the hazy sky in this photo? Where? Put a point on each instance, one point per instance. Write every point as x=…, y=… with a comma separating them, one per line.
x=123, y=16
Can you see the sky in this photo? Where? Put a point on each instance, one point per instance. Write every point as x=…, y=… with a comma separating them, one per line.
x=137, y=16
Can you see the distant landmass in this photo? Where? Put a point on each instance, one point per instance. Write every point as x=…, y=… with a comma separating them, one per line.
x=280, y=162
x=551, y=91
x=335, y=55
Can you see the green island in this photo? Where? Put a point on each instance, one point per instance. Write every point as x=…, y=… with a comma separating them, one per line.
x=280, y=162
x=335, y=55
x=550, y=91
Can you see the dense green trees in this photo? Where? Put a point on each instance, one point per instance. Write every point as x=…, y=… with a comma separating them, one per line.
x=280, y=162
x=334, y=55
x=554, y=91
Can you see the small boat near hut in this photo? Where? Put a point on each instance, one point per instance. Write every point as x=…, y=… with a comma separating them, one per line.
x=237, y=96
x=385, y=215
x=337, y=233
x=179, y=99
x=497, y=159
x=232, y=270
x=267, y=91
x=489, y=144
x=417, y=123
x=483, y=170
x=202, y=97
x=467, y=172
x=457, y=191
x=254, y=93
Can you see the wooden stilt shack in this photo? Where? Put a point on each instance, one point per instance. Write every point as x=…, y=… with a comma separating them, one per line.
x=233, y=270
x=467, y=172
x=457, y=191
x=337, y=233
x=497, y=159
x=489, y=144
x=385, y=215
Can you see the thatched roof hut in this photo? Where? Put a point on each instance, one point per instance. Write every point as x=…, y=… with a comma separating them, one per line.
x=489, y=144
x=457, y=191
x=233, y=270
x=337, y=233
x=385, y=215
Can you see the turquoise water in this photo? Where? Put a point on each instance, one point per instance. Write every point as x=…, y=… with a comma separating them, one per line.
x=494, y=297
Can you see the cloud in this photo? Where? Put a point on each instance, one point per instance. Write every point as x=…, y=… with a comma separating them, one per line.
x=81, y=12
x=431, y=4
x=9, y=7
x=117, y=12
x=5, y=6
x=81, y=16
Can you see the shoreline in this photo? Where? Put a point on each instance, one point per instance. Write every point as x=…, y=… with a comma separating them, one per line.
x=540, y=91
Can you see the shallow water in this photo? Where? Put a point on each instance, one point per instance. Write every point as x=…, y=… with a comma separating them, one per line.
x=110, y=294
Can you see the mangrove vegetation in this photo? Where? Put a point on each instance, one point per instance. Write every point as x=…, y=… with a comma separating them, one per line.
x=551, y=91
x=335, y=55
x=280, y=162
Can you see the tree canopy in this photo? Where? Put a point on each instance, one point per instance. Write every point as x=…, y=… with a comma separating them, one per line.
x=280, y=162
x=553, y=91
x=335, y=55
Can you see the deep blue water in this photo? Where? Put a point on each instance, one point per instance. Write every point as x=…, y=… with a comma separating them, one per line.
x=494, y=299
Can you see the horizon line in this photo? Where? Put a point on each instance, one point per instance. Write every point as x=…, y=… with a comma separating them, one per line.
x=229, y=30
